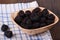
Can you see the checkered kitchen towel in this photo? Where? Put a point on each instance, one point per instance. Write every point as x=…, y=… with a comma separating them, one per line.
x=6, y=10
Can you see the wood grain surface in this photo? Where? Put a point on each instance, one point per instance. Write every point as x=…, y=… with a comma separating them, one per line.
x=53, y=5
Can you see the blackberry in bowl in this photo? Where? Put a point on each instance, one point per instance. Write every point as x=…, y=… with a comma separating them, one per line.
x=34, y=20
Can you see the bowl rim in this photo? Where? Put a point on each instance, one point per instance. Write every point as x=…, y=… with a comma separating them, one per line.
x=57, y=19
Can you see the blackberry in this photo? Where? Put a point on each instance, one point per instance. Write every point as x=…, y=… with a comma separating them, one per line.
x=22, y=25
x=28, y=13
x=50, y=17
x=26, y=26
x=45, y=12
x=29, y=26
x=26, y=23
x=21, y=14
x=42, y=19
x=27, y=20
x=8, y=34
x=39, y=14
x=4, y=28
x=42, y=24
x=18, y=19
x=49, y=22
x=36, y=25
x=34, y=17
x=36, y=10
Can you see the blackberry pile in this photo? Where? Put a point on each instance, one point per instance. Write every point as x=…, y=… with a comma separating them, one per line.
x=34, y=19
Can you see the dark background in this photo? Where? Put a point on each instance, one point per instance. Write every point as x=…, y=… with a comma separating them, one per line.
x=53, y=5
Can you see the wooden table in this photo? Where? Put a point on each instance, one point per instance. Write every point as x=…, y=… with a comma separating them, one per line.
x=53, y=5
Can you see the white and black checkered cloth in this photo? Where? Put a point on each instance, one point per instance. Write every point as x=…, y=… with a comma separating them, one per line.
x=5, y=13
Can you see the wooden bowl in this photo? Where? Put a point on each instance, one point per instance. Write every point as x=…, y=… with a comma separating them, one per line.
x=38, y=30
